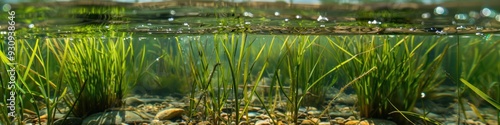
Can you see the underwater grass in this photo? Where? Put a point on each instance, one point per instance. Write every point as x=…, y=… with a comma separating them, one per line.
x=220, y=68
x=301, y=67
x=39, y=81
x=479, y=65
x=97, y=73
x=400, y=67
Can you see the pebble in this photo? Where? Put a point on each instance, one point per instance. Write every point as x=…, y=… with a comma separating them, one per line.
x=262, y=122
x=356, y=122
x=169, y=114
x=156, y=122
x=116, y=117
x=308, y=122
x=133, y=101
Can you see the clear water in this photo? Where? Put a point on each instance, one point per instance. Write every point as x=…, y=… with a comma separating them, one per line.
x=194, y=49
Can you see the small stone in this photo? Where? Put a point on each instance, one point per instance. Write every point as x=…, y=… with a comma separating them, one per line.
x=338, y=120
x=351, y=118
x=69, y=121
x=470, y=122
x=204, y=123
x=492, y=122
x=262, y=122
x=307, y=122
x=133, y=101
x=156, y=122
x=314, y=112
x=169, y=114
x=324, y=123
x=356, y=122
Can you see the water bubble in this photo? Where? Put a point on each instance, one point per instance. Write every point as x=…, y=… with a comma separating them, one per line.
x=171, y=19
x=186, y=24
x=247, y=14
x=322, y=19
x=6, y=7
x=286, y=20
x=474, y=14
x=247, y=23
x=374, y=22
x=31, y=26
x=422, y=95
x=486, y=12
x=276, y=13
x=107, y=27
x=426, y=15
x=461, y=16
x=149, y=24
x=298, y=16
x=322, y=25
x=172, y=12
x=3, y=32
x=441, y=32
x=157, y=59
x=440, y=10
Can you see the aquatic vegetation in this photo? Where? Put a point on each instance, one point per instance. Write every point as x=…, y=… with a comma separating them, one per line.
x=401, y=66
x=216, y=68
x=479, y=65
x=39, y=83
x=97, y=73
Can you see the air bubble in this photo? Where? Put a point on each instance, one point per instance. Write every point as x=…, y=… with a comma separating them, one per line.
x=170, y=19
x=286, y=20
x=440, y=10
x=473, y=14
x=6, y=7
x=186, y=24
x=107, y=27
x=460, y=28
x=172, y=12
x=486, y=12
x=322, y=19
x=247, y=23
x=276, y=13
x=247, y=14
x=298, y=16
x=461, y=16
x=31, y=26
x=374, y=22
x=149, y=24
x=426, y=15
x=322, y=25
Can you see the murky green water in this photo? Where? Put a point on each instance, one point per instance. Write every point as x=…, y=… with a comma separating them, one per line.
x=250, y=62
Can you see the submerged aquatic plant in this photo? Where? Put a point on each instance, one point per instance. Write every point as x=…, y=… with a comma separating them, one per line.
x=220, y=69
x=479, y=64
x=405, y=66
x=303, y=62
x=97, y=73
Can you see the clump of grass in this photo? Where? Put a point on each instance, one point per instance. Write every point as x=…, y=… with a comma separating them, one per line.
x=221, y=67
x=39, y=83
x=403, y=71
x=96, y=70
x=303, y=62
x=479, y=64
